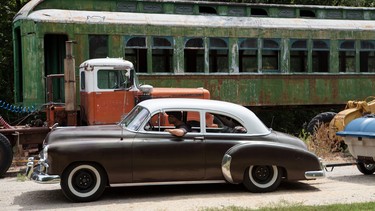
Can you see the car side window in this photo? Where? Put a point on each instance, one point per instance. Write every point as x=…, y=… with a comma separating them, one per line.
x=163, y=120
x=218, y=123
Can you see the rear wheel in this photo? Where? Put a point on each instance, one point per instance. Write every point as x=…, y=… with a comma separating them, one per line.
x=366, y=169
x=6, y=154
x=83, y=182
x=259, y=179
x=318, y=120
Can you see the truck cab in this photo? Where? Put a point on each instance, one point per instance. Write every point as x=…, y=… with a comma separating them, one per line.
x=109, y=89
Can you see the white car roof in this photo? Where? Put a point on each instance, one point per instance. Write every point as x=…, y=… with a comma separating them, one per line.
x=246, y=117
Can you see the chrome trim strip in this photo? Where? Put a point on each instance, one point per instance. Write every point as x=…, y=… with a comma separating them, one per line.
x=225, y=168
x=169, y=183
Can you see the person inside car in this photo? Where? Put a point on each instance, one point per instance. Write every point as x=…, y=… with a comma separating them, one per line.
x=175, y=118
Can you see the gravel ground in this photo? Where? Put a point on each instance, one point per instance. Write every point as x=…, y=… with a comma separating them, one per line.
x=342, y=185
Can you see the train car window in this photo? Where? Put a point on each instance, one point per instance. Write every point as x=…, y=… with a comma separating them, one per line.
x=287, y=13
x=184, y=9
x=333, y=14
x=367, y=45
x=248, y=55
x=218, y=55
x=207, y=10
x=258, y=12
x=162, y=54
x=270, y=55
x=194, y=55
x=152, y=8
x=236, y=11
x=367, y=56
x=98, y=46
x=136, y=52
x=136, y=42
x=320, y=56
x=307, y=14
x=347, y=56
x=298, y=56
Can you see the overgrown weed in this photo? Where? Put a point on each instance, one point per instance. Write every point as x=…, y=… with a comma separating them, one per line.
x=324, y=147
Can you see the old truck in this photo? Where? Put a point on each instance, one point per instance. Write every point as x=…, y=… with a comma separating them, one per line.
x=108, y=89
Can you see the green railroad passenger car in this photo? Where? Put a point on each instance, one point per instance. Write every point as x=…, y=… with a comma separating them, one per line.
x=251, y=54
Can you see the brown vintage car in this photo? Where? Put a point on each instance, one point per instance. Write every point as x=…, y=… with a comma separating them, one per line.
x=224, y=142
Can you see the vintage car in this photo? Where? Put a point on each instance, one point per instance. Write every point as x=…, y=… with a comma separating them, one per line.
x=225, y=142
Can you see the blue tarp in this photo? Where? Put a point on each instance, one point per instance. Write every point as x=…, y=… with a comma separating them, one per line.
x=361, y=127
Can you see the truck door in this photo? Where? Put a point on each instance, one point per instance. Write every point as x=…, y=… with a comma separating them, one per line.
x=108, y=98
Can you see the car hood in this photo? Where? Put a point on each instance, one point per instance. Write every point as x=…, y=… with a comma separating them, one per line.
x=87, y=133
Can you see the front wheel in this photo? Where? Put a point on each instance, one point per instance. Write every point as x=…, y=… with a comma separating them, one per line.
x=6, y=154
x=83, y=182
x=260, y=179
x=366, y=169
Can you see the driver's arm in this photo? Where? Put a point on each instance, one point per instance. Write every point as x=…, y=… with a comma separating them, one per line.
x=177, y=132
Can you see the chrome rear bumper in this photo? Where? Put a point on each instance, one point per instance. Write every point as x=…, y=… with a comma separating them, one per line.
x=314, y=174
x=36, y=173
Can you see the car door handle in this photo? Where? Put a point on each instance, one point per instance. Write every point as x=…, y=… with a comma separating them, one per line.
x=199, y=138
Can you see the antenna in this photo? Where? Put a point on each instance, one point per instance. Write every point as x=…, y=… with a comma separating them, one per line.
x=122, y=132
x=273, y=117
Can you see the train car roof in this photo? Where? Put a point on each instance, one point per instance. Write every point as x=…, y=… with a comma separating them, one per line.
x=33, y=6
x=95, y=17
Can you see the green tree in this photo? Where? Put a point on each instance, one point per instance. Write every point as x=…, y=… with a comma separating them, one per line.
x=8, y=10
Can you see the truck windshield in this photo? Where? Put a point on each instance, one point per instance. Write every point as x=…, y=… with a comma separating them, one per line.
x=135, y=118
x=114, y=79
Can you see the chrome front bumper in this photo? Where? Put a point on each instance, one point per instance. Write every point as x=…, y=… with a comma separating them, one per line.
x=38, y=173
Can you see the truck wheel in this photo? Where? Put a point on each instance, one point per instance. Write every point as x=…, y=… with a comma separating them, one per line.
x=6, y=154
x=366, y=169
x=83, y=182
x=319, y=119
x=260, y=179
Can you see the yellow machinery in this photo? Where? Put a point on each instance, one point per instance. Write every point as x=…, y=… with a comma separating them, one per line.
x=337, y=122
x=353, y=110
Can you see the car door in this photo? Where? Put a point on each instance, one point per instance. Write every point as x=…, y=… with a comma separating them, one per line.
x=160, y=156
x=221, y=132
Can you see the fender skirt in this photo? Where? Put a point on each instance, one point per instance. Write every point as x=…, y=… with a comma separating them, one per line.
x=294, y=160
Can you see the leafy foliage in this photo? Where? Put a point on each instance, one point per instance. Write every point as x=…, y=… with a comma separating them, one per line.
x=8, y=10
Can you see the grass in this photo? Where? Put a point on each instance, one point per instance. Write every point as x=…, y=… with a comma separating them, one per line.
x=21, y=177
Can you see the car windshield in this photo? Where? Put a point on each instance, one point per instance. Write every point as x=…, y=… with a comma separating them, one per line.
x=135, y=118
